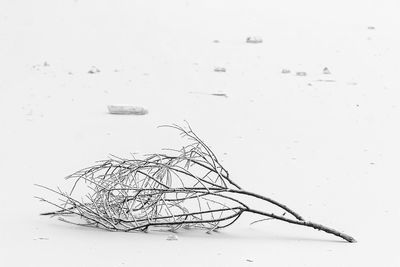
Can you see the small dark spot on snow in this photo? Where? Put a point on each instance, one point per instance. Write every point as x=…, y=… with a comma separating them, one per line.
x=172, y=237
x=351, y=83
x=220, y=94
x=326, y=80
x=41, y=238
x=219, y=69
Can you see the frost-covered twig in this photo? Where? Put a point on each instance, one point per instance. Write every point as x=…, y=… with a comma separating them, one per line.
x=188, y=188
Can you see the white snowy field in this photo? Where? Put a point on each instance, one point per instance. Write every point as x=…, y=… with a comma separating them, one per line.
x=327, y=145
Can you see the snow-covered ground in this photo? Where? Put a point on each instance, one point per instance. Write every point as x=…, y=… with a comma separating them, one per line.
x=327, y=145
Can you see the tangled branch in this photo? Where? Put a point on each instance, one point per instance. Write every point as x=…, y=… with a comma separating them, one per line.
x=188, y=189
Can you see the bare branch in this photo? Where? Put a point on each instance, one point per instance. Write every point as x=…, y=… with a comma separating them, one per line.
x=190, y=189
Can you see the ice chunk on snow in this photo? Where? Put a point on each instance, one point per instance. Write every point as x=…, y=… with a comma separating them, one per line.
x=301, y=73
x=254, y=40
x=326, y=70
x=219, y=69
x=127, y=110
